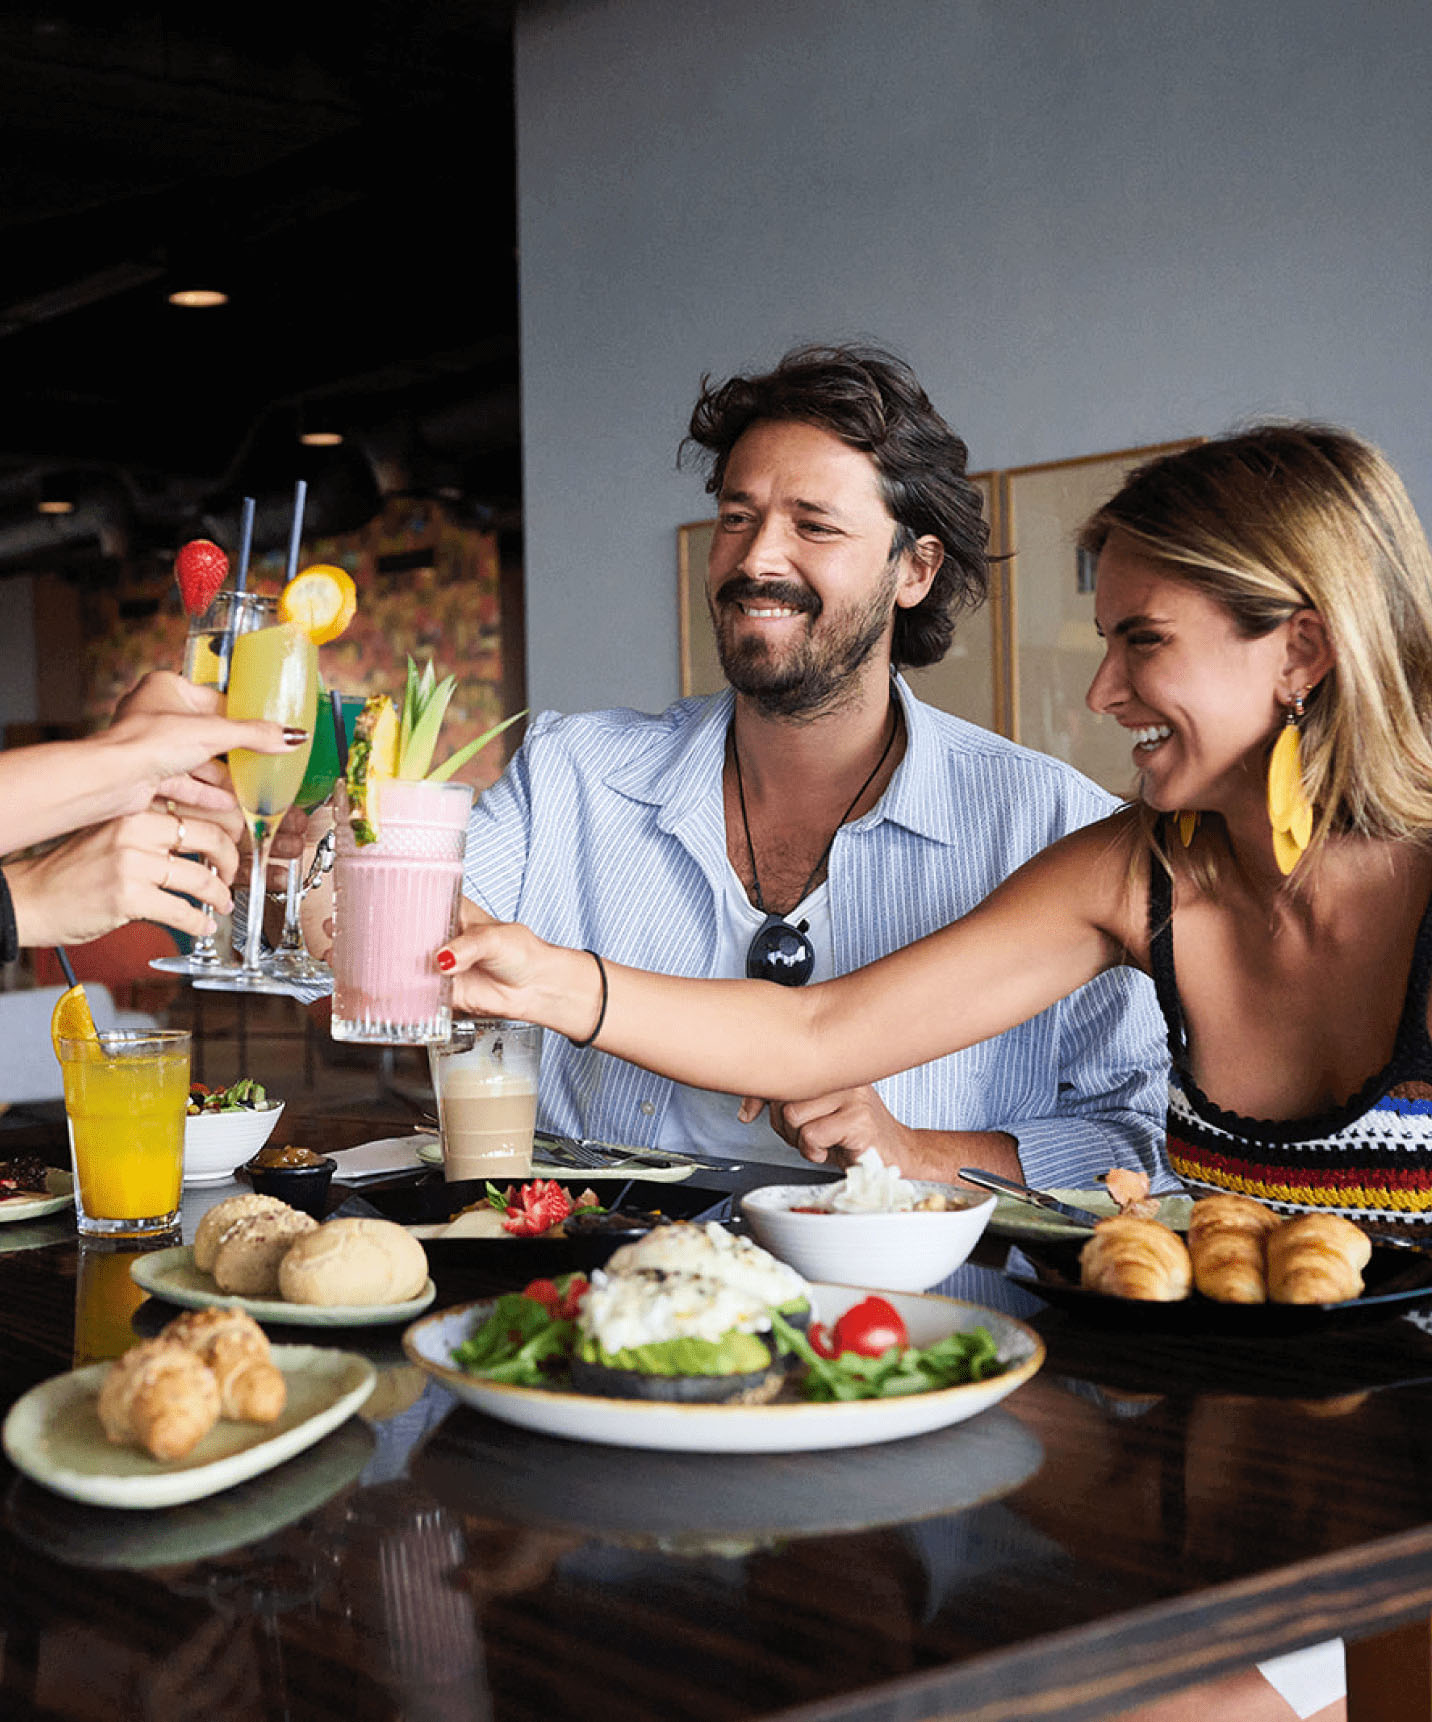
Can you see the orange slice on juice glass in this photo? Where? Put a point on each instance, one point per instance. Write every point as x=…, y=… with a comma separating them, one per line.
x=71, y=1019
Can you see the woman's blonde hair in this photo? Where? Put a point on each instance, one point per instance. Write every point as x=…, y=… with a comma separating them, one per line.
x=1282, y=518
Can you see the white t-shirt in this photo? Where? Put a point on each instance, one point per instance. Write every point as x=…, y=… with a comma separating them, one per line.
x=698, y=1120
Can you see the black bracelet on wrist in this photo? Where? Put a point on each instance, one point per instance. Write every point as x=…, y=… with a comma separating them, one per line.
x=602, y=1011
x=10, y=933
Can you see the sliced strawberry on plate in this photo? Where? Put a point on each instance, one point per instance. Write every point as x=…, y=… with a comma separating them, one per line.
x=201, y=568
x=540, y=1205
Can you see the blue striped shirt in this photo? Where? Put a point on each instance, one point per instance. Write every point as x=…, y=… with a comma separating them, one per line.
x=607, y=832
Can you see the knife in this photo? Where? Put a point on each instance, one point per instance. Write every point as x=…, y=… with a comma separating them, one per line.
x=1023, y=1193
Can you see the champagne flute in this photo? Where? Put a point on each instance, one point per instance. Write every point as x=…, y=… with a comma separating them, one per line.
x=291, y=961
x=273, y=674
x=208, y=648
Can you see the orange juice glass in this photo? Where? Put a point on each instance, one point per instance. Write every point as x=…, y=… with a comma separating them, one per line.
x=125, y=1099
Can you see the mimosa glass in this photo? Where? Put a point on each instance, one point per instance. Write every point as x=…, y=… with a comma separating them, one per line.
x=207, y=652
x=273, y=675
x=291, y=961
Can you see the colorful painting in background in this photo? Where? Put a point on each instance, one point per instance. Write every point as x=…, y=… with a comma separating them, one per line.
x=445, y=603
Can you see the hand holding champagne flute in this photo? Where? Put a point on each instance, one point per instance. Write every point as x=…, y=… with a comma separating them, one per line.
x=273, y=674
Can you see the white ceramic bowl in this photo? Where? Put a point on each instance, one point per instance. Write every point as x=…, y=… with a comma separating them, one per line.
x=216, y=1142
x=897, y=1252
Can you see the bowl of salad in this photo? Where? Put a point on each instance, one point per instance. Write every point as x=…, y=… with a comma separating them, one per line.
x=225, y=1127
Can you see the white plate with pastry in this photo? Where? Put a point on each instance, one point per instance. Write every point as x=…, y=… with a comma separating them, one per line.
x=171, y=1274
x=53, y=1434
x=27, y=1205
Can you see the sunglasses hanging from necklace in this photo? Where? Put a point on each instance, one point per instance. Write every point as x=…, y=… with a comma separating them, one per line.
x=780, y=952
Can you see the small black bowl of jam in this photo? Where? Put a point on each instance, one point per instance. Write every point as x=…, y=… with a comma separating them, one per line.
x=294, y=1175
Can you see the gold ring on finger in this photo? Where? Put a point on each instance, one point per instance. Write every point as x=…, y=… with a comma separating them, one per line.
x=168, y=869
x=179, y=833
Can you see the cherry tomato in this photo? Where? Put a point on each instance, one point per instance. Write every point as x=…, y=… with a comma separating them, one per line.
x=572, y=1298
x=871, y=1328
x=820, y=1341
x=544, y=1292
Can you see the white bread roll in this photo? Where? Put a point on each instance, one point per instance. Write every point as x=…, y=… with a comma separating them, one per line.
x=250, y=1251
x=220, y=1218
x=354, y=1262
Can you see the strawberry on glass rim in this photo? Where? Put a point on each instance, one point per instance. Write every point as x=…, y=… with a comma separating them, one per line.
x=200, y=569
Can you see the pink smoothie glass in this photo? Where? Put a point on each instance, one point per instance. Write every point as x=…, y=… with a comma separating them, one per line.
x=394, y=903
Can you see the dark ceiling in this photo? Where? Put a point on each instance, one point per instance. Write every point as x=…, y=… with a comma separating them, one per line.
x=349, y=181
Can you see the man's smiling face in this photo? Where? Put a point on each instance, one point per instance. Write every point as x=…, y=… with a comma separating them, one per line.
x=801, y=580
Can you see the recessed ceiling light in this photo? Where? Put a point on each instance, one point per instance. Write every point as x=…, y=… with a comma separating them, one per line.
x=198, y=298
x=55, y=505
x=321, y=439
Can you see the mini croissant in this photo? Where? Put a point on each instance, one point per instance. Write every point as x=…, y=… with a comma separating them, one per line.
x=161, y=1397
x=1317, y=1258
x=1133, y=1258
x=1227, y=1241
x=236, y=1349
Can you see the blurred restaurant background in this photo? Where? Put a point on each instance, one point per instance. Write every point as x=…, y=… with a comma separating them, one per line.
x=477, y=256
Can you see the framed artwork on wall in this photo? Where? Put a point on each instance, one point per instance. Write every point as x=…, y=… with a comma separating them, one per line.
x=970, y=680
x=1054, y=650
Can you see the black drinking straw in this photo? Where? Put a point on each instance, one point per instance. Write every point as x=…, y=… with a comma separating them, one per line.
x=300, y=493
x=340, y=734
x=246, y=544
x=67, y=966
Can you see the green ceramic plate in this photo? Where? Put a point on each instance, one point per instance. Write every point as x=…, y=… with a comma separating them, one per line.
x=1015, y=1219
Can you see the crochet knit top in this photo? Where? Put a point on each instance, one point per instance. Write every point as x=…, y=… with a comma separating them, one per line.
x=1370, y=1158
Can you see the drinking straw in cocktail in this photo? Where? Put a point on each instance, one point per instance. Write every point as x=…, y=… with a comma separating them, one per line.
x=67, y=966
x=340, y=733
x=246, y=544
x=300, y=493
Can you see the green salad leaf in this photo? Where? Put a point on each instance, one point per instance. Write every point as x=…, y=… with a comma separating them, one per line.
x=950, y=1362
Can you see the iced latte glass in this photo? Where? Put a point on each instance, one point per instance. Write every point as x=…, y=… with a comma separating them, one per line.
x=485, y=1080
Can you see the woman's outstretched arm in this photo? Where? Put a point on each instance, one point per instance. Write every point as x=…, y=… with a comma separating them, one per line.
x=1063, y=918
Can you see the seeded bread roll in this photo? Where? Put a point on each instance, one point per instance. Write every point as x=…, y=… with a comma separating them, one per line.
x=251, y=1387
x=220, y=1218
x=250, y=1251
x=354, y=1262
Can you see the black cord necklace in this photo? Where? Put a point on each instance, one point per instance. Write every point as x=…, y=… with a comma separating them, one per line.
x=780, y=952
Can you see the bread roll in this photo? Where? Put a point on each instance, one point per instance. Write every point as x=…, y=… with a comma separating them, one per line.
x=1317, y=1258
x=250, y=1251
x=1135, y=1258
x=251, y=1388
x=1227, y=1242
x=161, y=1397
x=220, y=1218
x=357, y=1261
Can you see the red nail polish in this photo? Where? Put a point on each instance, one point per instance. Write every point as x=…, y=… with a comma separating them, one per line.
x=446, y=961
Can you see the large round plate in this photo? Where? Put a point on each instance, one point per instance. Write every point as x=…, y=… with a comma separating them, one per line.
x=1015, y=1219
x=171, y=1275
x=782, y=1428
x=53, y=1434
x=61, y=1192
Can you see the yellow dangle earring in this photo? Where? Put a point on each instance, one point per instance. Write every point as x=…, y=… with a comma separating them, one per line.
x=1187, y=822
x=1290, y=813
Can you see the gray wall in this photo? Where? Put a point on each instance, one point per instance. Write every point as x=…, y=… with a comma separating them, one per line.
x=1088, y=224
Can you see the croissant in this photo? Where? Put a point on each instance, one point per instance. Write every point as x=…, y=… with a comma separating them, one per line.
x=1227, y=1242
x=1135, y=1258
x=1317, y=1258
x=251, y=1388
x=161, y=1397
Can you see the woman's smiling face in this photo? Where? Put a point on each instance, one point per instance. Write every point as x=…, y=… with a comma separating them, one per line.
x=1200, y=699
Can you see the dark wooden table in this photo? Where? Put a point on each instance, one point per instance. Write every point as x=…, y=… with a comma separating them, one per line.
x=1148, y=1512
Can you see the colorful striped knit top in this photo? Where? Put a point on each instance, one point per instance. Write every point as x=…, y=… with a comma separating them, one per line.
x=1370, y=1158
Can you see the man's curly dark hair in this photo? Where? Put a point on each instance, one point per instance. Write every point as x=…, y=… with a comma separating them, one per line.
x=872, y=401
